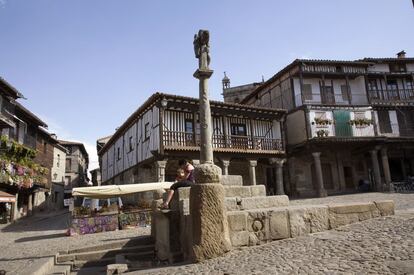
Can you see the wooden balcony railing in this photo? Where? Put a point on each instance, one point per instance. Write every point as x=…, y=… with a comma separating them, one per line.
x=391, y=95
x=183, y=139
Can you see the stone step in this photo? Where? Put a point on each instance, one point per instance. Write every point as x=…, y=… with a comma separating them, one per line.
x=99, y=254
x=237, y=203
x=142, y=240
x=61, y=269
x=78, y=265
x=229, y=191
x=97, y=270
x=232, y=180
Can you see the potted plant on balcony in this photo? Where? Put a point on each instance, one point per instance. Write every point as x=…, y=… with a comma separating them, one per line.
x=322, y=121
x=322, y=133
x=361, y=122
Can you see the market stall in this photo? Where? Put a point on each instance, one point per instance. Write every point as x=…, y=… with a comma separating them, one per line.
x=109, y=213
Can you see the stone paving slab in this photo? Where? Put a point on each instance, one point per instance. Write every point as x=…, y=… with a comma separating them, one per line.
x=35, y=238
x=383, y=245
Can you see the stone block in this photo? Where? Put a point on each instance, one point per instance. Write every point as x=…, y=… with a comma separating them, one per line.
x=346, y=208
x=184, y=207
x=239, y=238
x=232, y=180
x=337, y=220
x=258, y=190
x=237, y=191
x=207, y=173
x=258, y=223
x=231, y=204
x=385, y=207
x=264, y=202
x=237, y=220
x=279, y=224
x=308, y=219
x=209, y=222
x=183, y=193
x=116, y=269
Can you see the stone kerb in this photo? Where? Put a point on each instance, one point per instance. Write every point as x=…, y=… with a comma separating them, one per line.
x=347, y=213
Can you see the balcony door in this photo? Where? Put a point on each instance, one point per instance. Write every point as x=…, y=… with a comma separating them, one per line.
x=239, y=135
x=327, y=95
x=342, y=126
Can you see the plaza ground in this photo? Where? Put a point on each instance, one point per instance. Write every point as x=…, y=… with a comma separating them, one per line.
x=383, y=245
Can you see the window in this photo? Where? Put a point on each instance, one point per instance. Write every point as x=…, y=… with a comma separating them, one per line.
x=131, y=144
x=392, y=84
x=346, y=94
x=58, y=160
x=147, y=131
x=44, y=147
x=384, y=121
x=372, y=85
x=189, y=127
x=327, y=95
x=238, y=129
x=118, y=153
x=307, y=91
x=68, y=164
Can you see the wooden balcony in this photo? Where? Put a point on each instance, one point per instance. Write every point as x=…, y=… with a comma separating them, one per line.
x=182, y=140
x=391, y=96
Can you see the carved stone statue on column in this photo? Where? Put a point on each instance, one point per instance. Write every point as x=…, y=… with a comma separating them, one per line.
x=210, y=237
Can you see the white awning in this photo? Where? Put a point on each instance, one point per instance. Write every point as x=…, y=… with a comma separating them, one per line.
x=109, y=191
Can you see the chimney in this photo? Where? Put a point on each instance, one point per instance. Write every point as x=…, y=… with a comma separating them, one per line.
x=401, y=54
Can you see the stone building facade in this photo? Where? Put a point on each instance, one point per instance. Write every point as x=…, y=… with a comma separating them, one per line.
x=76, y=164
x=236, y=94
x=347, y=121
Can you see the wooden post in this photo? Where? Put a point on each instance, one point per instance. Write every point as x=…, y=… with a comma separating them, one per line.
x=252, y=134
x=301, y=84
x=348, y=89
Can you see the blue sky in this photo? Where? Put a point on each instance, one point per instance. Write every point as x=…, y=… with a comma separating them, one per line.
x=85, y=66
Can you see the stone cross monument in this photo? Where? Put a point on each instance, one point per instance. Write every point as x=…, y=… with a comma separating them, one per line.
x=209, y=238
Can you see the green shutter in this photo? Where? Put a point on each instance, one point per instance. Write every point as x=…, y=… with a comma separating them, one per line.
x=342, y=126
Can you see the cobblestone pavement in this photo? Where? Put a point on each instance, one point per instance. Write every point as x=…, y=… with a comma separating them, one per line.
x=383, y=245
x=43, y=235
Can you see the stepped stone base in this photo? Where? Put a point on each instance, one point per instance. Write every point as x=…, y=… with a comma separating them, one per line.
x=258, y=226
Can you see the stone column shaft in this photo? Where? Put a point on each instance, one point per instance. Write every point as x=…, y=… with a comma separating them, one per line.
x=386, y=168
x=226, y=164
x=30, y=205
x=252, y=171
x=320, y=189
x=206, y=147
x=15, y=210
x=279, y=177
x=376, y=169
x=161, y=164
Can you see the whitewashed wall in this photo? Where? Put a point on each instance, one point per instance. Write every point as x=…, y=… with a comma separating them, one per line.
x=358, y=91
x=315, y=128
x=111, y=161
x=363, y=131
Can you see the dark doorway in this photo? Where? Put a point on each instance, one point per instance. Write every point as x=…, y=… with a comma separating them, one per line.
x=349, y=184
x=271, y=181
x=396, y=169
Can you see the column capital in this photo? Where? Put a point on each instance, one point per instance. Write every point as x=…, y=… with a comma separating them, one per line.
x=316, y=154
x=277, y=161
x=252, y=163
x=373, y=152
x=225, y=162
x=161, y=163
